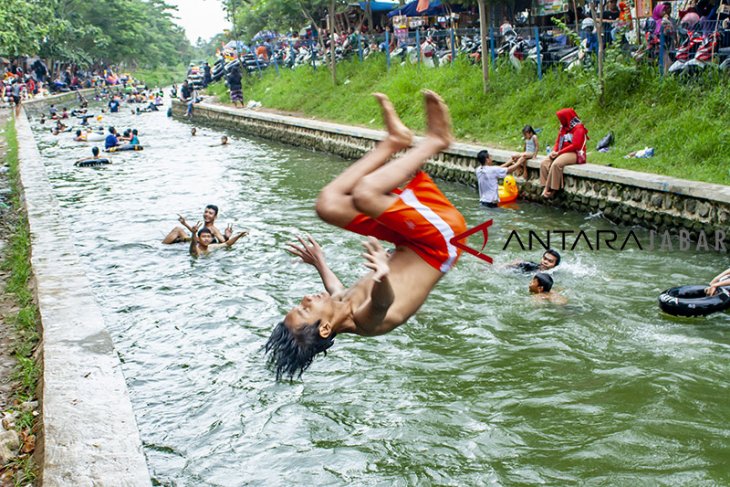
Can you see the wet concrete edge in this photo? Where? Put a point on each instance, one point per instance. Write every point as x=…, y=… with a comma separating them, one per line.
x=90, y=434
x=696, y=189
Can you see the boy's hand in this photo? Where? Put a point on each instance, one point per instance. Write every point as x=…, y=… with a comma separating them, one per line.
x=229, y=231
x=195, y=228
x=310, y=252
x=377, y=258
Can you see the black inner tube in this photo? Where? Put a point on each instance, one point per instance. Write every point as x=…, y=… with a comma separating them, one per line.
x=692, y=301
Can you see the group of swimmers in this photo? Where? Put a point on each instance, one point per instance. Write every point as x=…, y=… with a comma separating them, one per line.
x=205, y=239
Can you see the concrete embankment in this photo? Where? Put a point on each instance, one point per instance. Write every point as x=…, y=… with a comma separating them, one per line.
x=90, y=434
x=658, y=202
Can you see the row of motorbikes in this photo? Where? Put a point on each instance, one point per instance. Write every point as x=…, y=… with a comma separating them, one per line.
x=696, y=51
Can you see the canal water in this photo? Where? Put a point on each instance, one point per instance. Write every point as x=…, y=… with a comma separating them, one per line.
x=483, y=386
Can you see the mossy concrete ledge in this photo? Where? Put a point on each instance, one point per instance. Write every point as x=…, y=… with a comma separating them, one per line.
x=629, y=197
x=90, y=435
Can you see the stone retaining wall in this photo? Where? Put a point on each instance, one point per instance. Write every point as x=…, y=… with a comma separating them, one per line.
x=90, y=434
x=658, y=202
x=41, y=104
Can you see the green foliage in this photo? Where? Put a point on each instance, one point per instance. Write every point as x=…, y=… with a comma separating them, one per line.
x=22, y=26
x=280, y=15
x=161, y=76
x=133, y=32
x=683, y=122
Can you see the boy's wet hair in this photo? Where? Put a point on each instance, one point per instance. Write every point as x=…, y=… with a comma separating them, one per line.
x=482, y=156
x=95, y=151
x=544, y=281
x=212, y=207
x=555, y=254
x=291, y=354
x=204, y=230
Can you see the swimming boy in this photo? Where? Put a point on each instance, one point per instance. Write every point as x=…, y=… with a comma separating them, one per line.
x=550, y=259
x=366, y=199
x=210, y=213
x=541, y=288
x=201, y=241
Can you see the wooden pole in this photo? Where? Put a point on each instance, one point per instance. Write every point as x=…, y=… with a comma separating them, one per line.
x=485, y=44
x=332, y=42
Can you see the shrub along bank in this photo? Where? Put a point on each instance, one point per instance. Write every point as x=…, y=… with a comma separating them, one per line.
x=685, y=122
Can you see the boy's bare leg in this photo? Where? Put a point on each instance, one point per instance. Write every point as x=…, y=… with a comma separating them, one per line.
x=177, y=234
x=372, y=195
x=334, y=204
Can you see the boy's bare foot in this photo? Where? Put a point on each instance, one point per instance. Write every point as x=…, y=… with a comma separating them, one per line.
x=399, y=135
x=437, y=119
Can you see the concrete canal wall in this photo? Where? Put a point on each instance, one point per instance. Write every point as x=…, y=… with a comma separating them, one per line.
x=657, y=202
x=90, y=435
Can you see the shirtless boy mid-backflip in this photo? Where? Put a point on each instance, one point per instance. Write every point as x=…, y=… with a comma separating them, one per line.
x=366, y=199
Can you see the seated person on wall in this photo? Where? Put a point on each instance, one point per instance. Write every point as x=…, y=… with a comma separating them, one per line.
x=201, y=241
x=541, y=288
x=210, y=214
x=531, y=148
x=550, y=260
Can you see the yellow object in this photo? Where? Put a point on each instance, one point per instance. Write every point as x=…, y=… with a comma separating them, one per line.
x=508, y=190
x=99, y=118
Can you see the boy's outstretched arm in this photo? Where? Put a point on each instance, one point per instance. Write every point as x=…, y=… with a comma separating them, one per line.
x=235, y=238
x=311, y=253
x=370, y=317
x=194, y=240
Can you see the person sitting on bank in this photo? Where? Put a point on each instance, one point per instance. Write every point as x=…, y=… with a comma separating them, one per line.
x=488, y=176
x=210, y=213
x=721, y=280
x=541, y=288
x=570, y=148
x=550, y=260
x=201, y=241
x=531, y=148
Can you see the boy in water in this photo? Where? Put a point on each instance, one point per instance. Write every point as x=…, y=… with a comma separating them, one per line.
x=541, y=287
x=366, y=199
x=201, y=241
x=210, y=213
x=550, y=260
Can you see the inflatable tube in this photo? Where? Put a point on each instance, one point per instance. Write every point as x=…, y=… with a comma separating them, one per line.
x=508, y=190
x=102, y=161
x=95, y=137
x=125, y=147
x=692, y=301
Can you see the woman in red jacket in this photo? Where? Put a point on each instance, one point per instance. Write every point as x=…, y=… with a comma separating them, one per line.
x=570, y=148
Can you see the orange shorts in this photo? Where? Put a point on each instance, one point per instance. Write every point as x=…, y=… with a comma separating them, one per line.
x=422, y=219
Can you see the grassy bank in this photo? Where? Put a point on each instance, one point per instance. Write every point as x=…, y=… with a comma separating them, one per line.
x=162, y=76
x=684, y=122
x=25, y=320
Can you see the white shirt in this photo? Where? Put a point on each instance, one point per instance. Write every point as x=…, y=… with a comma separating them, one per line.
x=487, y=178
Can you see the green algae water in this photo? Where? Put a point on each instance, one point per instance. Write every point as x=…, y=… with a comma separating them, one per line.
x=483, y=386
